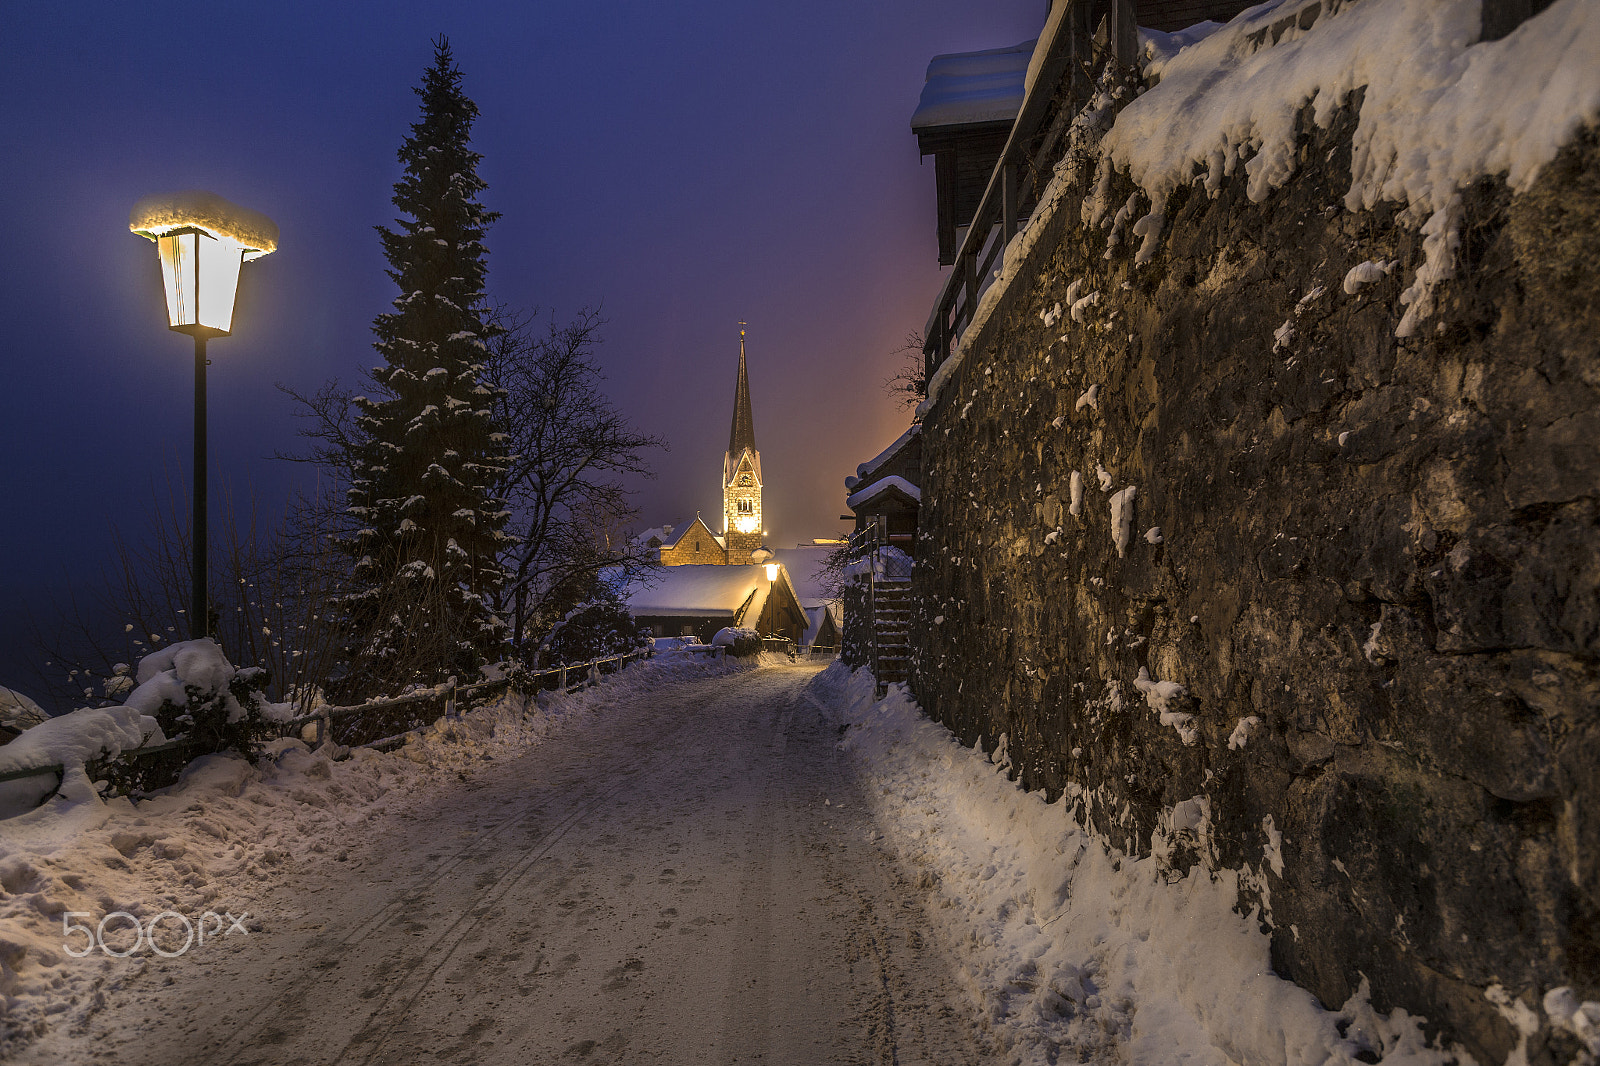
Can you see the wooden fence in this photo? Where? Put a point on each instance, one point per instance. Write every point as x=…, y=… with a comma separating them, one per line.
x=158, y=765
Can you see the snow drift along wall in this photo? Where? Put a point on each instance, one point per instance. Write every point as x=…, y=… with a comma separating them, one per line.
x=1254, y=490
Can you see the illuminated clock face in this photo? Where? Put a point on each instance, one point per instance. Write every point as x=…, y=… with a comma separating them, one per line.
x=746, y=479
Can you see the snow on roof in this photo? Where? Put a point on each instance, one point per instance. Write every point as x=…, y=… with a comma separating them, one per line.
x=1438, y=108
x=814, y=617
x=865, y=470
x=882, y=485
x=701, y=589
x=197, y=209
x=668, y=534
x=802, y=565
x=966, y=87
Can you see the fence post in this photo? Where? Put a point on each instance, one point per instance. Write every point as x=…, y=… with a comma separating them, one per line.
x=450, y=698
x=1124, y=33
x=563, y=678
x=1008, y=200
x=324, y=729
x=594, y=672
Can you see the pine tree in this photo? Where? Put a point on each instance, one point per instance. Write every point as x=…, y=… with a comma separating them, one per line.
x=430, y=528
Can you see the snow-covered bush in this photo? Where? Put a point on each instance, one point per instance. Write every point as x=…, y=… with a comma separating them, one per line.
x=186, y=690
x=91, y=734
x=593, y=631
x=740, y=642
x=192, y=690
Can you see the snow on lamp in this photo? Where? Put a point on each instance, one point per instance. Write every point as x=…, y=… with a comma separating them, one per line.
x=202, y=240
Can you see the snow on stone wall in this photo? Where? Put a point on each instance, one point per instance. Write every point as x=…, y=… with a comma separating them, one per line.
x=1374, y=550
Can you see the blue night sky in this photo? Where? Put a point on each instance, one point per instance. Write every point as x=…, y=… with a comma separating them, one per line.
x=681, y=166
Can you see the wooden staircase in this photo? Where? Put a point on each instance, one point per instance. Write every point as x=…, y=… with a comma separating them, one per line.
x=891, y=631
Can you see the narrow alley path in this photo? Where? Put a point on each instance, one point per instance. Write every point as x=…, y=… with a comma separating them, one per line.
x=686, y=877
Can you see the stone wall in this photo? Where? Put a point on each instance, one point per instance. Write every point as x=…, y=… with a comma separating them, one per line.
x=1371, y=564
x=695, y=547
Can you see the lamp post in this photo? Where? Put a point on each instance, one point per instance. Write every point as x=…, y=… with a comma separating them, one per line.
x=202, y=240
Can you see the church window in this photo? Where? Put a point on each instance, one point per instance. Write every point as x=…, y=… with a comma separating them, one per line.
x=747, y=506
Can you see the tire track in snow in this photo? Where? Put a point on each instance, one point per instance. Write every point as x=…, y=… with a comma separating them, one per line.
x=286, y=1003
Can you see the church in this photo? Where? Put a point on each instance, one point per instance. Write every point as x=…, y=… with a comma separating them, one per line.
x=695, y=544
x=714, y=580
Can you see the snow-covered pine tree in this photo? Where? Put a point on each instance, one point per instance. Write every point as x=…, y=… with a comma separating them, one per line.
x=429, y=528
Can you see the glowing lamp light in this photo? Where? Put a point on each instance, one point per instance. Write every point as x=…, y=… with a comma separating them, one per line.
x=772, y=571
x=202, y=240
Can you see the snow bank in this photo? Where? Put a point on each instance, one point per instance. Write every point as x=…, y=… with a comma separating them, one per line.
x=18, y=711
x=1071, y=950
x=229, y=833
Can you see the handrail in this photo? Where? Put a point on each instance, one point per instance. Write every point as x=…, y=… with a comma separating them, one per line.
x=1069, y=48
x=34, y=771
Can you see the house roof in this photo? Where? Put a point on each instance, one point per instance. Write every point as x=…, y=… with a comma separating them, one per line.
x=802, y=565
x=814, y=618
x=699, y=589
x=891, y=483
x=866, y=469
x=971, y=87
x=705, y=590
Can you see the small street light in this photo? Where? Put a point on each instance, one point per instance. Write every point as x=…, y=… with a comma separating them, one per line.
x=202, y=240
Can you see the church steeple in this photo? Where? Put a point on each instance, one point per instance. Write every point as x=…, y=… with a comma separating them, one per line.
x=741, y=474
x=743, y=433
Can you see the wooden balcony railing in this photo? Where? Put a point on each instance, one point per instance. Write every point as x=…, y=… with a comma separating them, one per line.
x=1064, y=82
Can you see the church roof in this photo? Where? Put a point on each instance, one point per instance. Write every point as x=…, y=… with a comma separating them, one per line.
x=667, y=535
x=743, y=433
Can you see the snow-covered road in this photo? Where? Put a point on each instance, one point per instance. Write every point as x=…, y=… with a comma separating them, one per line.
x=684, y=877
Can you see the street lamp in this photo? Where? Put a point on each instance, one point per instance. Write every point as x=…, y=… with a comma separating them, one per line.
x=202, y=240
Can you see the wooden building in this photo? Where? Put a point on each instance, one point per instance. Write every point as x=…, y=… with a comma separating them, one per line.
x=884, y=494
x=699, y=599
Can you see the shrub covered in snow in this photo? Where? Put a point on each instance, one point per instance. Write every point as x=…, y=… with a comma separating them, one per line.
x=740, y=642
x=185, y=690
x=593, y=631
x=192, y=690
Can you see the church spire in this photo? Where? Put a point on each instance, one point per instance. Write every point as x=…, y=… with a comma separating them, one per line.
x=741, y=476
x=743, y=433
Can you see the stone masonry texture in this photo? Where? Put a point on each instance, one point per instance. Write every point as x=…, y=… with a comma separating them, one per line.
x=1385, y=551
